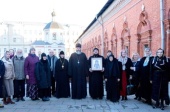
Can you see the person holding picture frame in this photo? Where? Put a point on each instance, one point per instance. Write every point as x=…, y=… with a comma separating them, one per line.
x=96, y=70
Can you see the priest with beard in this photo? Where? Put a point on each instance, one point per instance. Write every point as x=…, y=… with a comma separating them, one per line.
x=62, y=77
x=96, y=77
x=78, y=71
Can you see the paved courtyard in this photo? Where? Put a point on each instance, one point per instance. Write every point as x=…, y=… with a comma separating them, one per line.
x=84, y=105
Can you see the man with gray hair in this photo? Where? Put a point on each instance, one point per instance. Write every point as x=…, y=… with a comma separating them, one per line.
x=52, y=61
x=19, y=81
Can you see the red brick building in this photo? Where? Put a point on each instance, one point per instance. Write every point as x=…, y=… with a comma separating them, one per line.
x=129, y=24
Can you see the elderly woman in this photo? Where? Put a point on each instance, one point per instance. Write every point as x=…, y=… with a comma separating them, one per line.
x=2, y=72
x=145, y=67
x=42, y=73
x=135, y=76
x=19, y=82
x=126, y=73
x=112, y=77
x=29, y=69
x=159, y=79
x=8, y=77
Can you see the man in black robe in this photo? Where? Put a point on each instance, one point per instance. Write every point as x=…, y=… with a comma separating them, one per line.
x=78, y=71
x=96, y=77
x=62, y=77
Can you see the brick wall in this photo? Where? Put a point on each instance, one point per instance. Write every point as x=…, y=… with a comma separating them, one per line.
x=130, y=28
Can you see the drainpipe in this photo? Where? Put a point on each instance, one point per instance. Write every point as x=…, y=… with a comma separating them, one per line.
x=162, y=24
x=102, y=37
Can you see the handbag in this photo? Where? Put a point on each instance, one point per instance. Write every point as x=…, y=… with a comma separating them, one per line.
x=130, y=89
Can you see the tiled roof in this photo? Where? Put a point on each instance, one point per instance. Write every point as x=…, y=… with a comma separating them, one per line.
x=40, y=42
x=53, y=25
x=61, y=43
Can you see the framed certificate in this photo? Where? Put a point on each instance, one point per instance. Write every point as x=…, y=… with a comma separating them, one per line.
x=96, y=64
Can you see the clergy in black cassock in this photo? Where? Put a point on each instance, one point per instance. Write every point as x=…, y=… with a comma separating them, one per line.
x=112, y=77
x=62, y=77
x=96, y=77
x=78, y=71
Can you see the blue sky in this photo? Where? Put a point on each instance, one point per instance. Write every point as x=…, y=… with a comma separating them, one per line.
x=80, y=12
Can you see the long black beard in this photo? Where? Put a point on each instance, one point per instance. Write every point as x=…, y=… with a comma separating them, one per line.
x=96, y=55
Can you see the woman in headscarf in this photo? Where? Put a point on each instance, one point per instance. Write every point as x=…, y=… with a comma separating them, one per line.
x=29, y=69
x=8, y=78
x=43, y=77
x=159, y=79
x=62, y=77
x=112, y=77
x=135, y=76
x=144, y=79
x=126, y=73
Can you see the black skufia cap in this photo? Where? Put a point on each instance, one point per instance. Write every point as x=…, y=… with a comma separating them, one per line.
x=78, y=45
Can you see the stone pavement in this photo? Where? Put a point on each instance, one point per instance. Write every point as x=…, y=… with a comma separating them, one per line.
x=84, y=105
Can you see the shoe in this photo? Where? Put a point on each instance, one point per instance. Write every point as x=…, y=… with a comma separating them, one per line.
x=48, y=99
x=10, y=101
x=139, y=98
x=22, y=99
x=155, y=106
x=162, y=107
x=123, y=98
x=17, y=100
x=136, y=98
x=126, y=98
x=148, y=102
x=5, y=101
x=1, y=106
x=44, y=99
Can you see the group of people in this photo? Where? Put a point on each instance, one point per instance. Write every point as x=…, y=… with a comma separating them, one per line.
x=52, y=76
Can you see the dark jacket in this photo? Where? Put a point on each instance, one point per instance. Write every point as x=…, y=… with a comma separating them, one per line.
x=42, y=73
x=2, y=72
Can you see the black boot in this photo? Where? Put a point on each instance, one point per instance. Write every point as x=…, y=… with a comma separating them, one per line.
x=162, y=105
x=123, y=98
x=126, y=98
x=156, y=105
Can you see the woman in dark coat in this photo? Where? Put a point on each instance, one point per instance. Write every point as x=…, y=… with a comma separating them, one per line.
x=43, y=77
x=107, y=60
x=126, y=73
x=144, y=78
x=62, y=77
x=159, y=79
x=2, y=72
x=112, y=77
x=29, y=69
x=135, y=76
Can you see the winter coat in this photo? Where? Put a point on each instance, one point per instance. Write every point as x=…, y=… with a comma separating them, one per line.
x=29, y=68
x=42, y=73
x=19, y=67
x=9, y=69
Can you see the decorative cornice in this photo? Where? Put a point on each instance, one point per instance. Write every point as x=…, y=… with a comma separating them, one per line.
x=145, y=34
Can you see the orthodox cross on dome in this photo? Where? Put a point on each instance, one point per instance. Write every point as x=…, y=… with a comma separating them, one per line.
x=53, y=14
